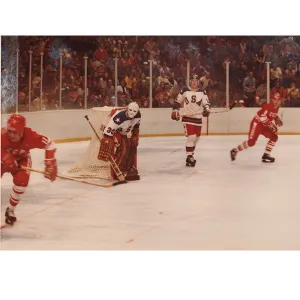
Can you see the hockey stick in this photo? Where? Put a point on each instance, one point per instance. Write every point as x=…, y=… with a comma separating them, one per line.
x=72, y=179
x=111, y=159
x=213, y=112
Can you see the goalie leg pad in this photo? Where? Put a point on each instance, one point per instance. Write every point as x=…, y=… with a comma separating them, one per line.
x=106, y=149
x=121, y=153
x=126, y=155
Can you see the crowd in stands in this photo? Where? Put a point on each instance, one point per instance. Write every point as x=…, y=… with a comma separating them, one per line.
x=207, y=55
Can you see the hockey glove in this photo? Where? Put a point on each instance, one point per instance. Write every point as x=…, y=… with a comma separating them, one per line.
x=175, y=115
x=206, y=113
x=272, y=127
x=9, y=161
x=50, y=169
x=278, y=122
x=106, y=149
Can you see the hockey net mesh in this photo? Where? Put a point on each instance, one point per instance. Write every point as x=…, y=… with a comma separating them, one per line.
x=89, y=165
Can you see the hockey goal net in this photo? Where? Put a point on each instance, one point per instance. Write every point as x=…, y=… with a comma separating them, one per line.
x=89, y=166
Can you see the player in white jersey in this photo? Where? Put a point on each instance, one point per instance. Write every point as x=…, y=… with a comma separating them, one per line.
x=196, y=105
x=122, y=133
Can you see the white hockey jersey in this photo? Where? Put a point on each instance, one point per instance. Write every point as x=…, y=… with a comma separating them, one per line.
x=119, y=122
x=195, y=102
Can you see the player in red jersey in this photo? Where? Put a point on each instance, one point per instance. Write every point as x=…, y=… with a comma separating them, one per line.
x=263, y=124
x=16, y=142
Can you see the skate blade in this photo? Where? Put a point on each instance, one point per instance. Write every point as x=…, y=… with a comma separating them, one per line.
x=132, y=178
x=189, y=165
x=8, y=223
x=267, y=161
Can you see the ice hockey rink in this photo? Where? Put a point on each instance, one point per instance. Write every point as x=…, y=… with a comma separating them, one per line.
x=218, y=205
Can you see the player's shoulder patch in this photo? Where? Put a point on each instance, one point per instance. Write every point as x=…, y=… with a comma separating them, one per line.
x=120, y=117
x=185, y=89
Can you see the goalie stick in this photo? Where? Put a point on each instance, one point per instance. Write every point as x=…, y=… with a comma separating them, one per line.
x=111, y=159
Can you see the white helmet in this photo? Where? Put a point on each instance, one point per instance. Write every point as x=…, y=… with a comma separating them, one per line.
x=132, y=109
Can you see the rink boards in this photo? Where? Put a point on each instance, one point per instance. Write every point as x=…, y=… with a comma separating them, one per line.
x=70, y=125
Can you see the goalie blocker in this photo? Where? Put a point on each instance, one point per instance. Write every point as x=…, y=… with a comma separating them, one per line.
x=120, y=140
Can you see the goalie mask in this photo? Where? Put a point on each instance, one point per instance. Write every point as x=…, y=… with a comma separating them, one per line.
x=132, y=110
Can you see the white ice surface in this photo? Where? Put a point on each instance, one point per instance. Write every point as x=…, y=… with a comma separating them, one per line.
x=219, y=204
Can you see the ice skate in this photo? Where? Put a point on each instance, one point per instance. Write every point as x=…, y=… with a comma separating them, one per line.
x=10, y=217
x=132, y=174
x=190, y=161
x=233, y=153
x=267, y=158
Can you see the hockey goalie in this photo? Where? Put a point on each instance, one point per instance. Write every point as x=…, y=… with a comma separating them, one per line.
x=121, y=139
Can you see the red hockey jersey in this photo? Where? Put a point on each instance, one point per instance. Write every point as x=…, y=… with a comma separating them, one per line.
x=267, y=114
x=30, y=140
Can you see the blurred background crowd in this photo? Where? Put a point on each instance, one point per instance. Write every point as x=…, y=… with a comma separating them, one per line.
x=207, y=55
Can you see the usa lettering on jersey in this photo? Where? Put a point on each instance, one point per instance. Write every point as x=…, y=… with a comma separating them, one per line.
x=194, y=102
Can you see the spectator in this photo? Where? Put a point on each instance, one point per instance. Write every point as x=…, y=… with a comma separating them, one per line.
x=249, y=86
x=36, y=81
x=106, y=101
x=109, y=90
x=172, y=79
x=135, y=94
x=278, y=88
x=151, y=48
x=161, y=93
x=289, y=75
x=275, y=75
x=122, y=93
x=144, y=102
x=101, y=54
x=205, y=82
x=165, y=70
x=164, y=79
x=261, y=95
x=144, y=89
x=293, y=96
x=129, y=80
x=260, y=59
x=215, y=100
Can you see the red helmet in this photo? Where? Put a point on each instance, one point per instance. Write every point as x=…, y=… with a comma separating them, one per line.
x=17, y=123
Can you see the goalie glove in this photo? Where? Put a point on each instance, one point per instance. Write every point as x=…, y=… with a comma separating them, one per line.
x=106, y=149
x=175, y=115
x=278, y=122
x=9, y=161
